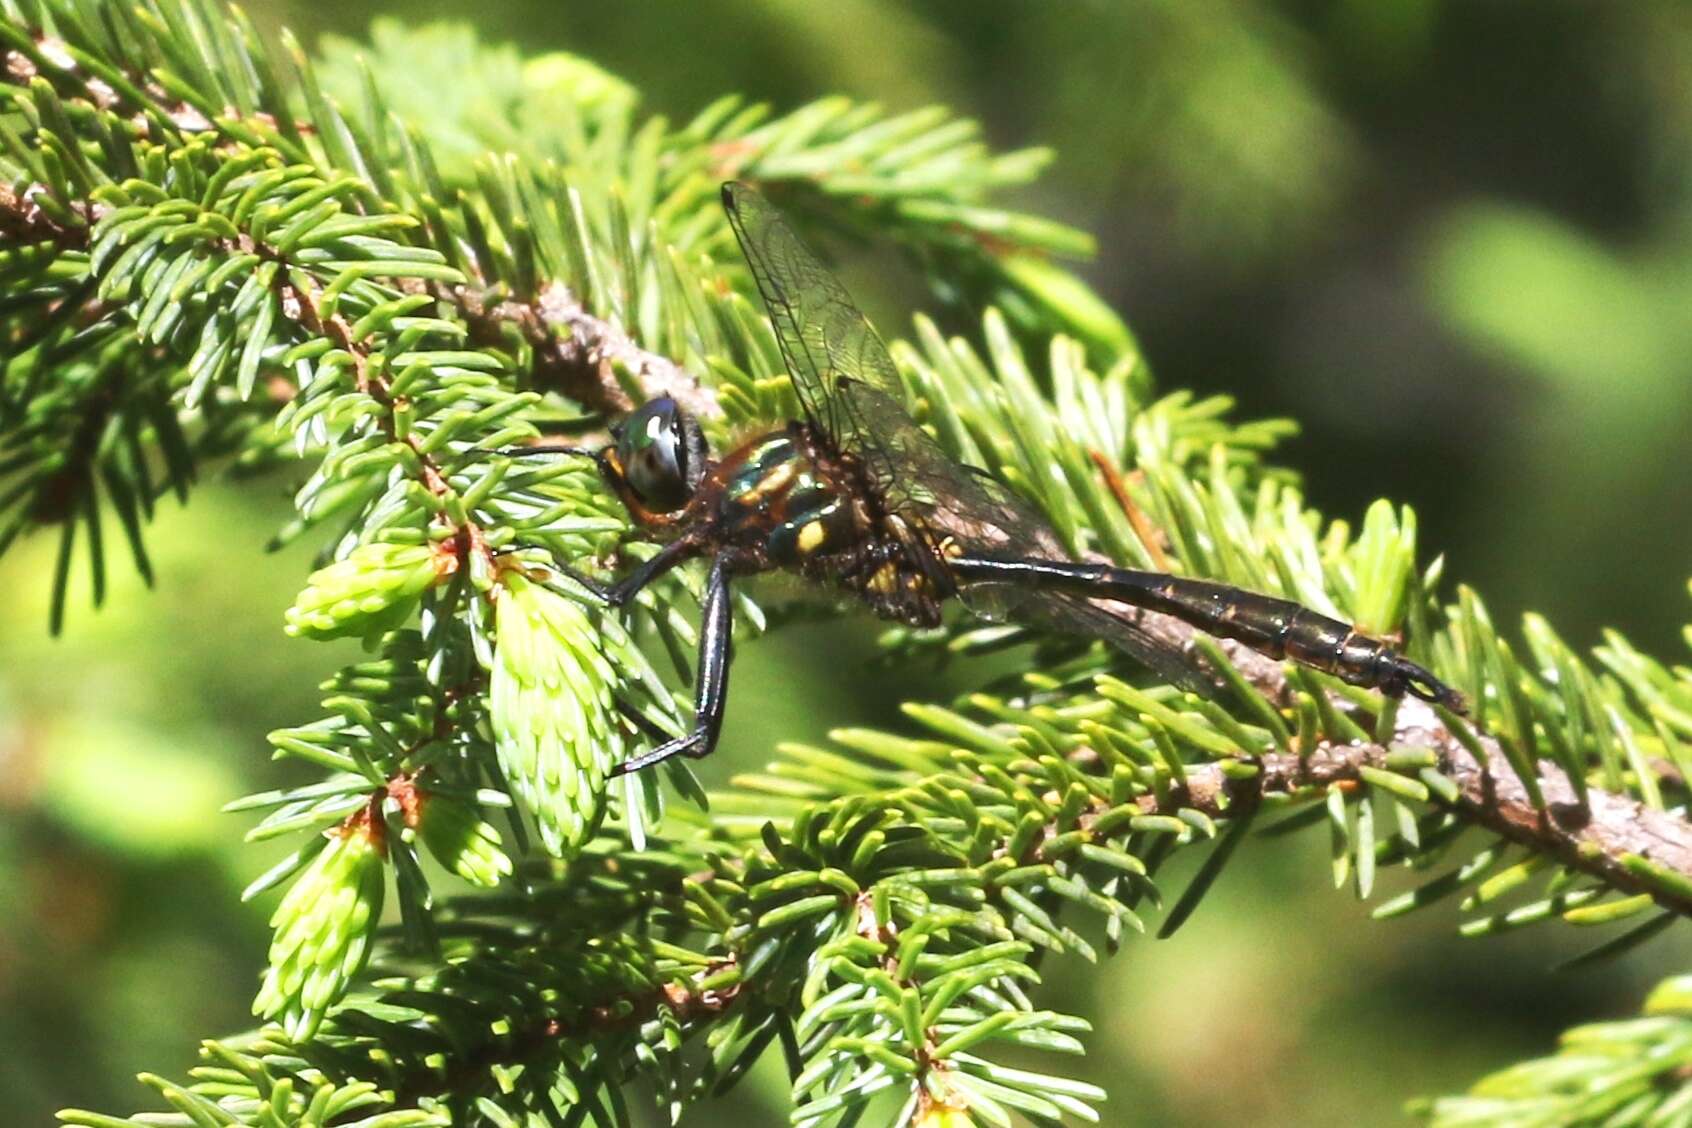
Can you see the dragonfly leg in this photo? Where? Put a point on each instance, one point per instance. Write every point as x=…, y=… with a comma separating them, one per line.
x=546, y=448
x=711, y=690
x=640, y=721
x=621, y=591
x=1278, y=628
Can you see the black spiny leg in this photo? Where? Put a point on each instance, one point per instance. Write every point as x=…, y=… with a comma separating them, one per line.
x=544, y=449
x=618, y=593
x=711, y=690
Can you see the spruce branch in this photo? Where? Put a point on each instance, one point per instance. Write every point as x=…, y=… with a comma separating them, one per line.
x=1624, y=843
x=582, y=357
x=24, y=222
x=192, y=216
x=577, y=354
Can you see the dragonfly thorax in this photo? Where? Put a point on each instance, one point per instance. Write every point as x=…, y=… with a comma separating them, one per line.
x=781, y=500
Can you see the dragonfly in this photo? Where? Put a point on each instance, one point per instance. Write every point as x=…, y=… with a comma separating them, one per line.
x=857, y=496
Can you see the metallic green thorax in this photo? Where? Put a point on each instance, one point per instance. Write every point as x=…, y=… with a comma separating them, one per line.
x=775, y=489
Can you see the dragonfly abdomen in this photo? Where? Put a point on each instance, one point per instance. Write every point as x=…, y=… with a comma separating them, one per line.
x=1278, y=628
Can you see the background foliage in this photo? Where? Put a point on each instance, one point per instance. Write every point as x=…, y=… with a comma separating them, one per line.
x=1456, y=275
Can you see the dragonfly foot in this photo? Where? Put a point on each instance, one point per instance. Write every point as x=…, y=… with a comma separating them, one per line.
x=694, y=746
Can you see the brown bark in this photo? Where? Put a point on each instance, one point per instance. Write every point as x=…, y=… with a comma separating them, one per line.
x=1607, y=837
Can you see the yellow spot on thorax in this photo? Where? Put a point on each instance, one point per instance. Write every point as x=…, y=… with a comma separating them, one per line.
x=774, y=482
x=812, y=537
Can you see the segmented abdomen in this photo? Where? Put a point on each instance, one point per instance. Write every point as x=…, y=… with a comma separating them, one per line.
x=1276, y=627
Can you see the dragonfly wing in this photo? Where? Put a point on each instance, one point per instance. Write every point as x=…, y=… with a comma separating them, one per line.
x=823, y=336
x=919, y=481
x=844, y=376
x=1123, y=627
x=981, y=515
x=850, y=390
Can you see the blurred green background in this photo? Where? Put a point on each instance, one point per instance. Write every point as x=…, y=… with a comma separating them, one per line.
x=1453, y=239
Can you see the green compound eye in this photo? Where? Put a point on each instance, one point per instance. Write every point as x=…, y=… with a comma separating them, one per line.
x=662, y=454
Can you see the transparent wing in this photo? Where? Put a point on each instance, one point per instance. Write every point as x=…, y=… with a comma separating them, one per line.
x=1120, y=625
x=944, y=499
x=824, y=338
x=850, y=390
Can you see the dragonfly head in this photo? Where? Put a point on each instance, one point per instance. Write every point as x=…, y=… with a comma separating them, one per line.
x=660, y=454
